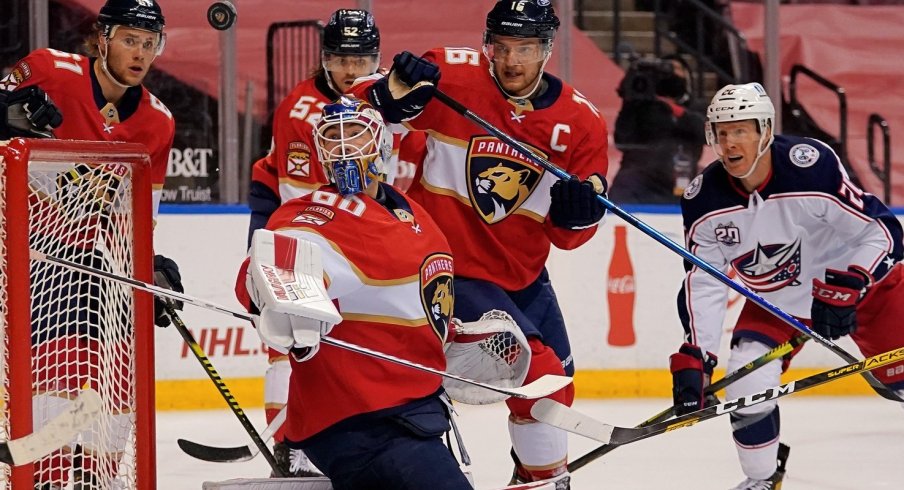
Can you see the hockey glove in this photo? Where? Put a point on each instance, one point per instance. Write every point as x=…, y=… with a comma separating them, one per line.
x=691, y=374
x=834, y=308
x=403, y=93
x=29, y=113
x=574, y=203
x=166, y=275
x=285, y=280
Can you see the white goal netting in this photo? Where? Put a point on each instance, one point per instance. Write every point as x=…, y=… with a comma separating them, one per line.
x=81, y=330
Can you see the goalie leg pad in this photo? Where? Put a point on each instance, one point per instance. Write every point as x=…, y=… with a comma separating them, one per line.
x=543, y=361
x=276, y=389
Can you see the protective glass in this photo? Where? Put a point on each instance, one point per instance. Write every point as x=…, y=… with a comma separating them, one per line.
x=516, y=51
x=351, y=63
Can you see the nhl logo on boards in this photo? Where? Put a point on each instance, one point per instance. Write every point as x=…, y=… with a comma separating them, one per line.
x=500, y=178
x=803, y=155
x=437, y=295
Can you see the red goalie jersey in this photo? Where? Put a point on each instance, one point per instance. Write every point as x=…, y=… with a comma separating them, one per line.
x=389, y=271
x=70, y=82
x=491, y=202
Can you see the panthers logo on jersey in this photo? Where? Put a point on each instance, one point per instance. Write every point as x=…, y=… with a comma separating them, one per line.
x=500, y=179
x=770, y=267
x=437, y=295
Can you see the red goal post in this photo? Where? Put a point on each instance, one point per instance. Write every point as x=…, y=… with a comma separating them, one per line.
x=88, y=202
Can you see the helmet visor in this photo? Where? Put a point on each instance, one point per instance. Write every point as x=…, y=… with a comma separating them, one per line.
x=516, y=51
x=364, y=64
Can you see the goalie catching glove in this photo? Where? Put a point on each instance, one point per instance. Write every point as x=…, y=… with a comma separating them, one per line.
x=491, y=350
x=285, y=280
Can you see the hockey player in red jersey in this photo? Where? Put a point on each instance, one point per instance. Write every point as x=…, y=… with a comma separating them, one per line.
x=501, y=212
x=96, y=97
x=783, y=214
x=383, y=262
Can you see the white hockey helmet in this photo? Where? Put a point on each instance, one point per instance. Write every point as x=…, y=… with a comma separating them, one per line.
x=739, y=103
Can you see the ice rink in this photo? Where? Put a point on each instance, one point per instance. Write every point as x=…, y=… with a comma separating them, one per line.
x=836, y=444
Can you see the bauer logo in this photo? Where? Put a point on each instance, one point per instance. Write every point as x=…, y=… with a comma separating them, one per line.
x=188, y=162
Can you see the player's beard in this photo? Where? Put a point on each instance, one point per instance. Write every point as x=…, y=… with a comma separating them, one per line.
x=120, y=70
x=518, y=80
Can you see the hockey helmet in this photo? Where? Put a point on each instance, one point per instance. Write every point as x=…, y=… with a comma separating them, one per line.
x=352, y=144
x=351, y=31
x=138, y=14
x=739, y=103
x=522, y=18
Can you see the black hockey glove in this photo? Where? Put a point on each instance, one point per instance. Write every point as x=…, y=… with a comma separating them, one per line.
x=166, y=275
x=691, y=374
x=834, y=308
x=574, y=202
x=403, y=93
x=29, y=113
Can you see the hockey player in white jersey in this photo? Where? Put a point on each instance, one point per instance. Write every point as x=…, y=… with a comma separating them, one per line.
x=783, y=214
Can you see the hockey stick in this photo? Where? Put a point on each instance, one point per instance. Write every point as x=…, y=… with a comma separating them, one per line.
x=563, y=417
x=222, y=388
x=58, y=432
x=541, y=387
x=776, y=353
x=236, y=454
x=456, y=106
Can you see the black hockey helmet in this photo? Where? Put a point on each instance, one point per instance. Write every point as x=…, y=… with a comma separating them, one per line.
x=351, y=31
x=522, y=18
x=138, y=14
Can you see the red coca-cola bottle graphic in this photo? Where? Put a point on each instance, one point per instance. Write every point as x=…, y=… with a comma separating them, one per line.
x=621, y=292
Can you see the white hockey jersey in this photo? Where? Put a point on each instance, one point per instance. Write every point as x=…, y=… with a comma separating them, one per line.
x=805, y=218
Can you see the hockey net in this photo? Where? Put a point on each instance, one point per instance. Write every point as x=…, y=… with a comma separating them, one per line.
x=62, y=330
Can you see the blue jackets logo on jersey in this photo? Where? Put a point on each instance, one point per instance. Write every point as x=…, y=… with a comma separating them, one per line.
x=500, y=179
x=437, y=294
x=770, y=267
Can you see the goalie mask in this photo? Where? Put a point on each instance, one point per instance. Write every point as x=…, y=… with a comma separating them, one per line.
x=352, y=144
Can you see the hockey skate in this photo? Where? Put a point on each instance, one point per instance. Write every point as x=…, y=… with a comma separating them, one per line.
x=774, y=482
x=293, y=462
x=520, y=476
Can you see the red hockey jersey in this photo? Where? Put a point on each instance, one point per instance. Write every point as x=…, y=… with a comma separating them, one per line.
x=389, y=271
x=491, y=202
x=70, y=82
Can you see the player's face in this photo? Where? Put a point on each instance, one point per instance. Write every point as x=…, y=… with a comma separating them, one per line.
x=517, y=62
x=345, y=69
x=347, y=139
x=130, y=54
x=738, y=144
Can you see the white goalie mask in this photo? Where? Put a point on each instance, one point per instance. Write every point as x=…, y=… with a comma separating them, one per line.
x=352, y=144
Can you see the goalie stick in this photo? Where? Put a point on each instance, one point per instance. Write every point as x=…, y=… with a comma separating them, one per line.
x=58, y=432
x=565, y=418
x=539, y=388
x=531, y=155
x=236, y=454
x=776, y=353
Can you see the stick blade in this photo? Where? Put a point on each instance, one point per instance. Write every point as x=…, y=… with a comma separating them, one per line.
x=59, y=431
x=543, y=386
x=558, y=415
x=215, y=454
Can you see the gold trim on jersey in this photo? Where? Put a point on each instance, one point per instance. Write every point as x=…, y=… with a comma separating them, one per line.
x=390, y=320
x=110, y=113
x=449, y=140
x=364, y=278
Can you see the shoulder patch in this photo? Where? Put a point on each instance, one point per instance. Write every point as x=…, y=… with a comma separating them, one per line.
x=694, y=187
x=803, y=155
